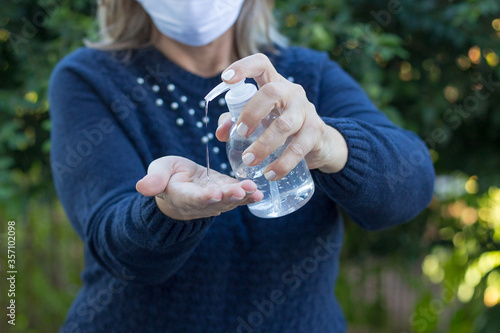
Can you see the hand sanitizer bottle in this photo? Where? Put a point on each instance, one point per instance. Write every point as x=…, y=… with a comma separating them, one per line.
x=281, y=197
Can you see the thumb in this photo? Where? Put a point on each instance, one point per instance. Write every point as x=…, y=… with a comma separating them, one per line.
x=225, y=124
x=156, y=181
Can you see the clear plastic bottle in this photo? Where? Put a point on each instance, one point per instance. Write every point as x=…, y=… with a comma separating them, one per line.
x=281, y=197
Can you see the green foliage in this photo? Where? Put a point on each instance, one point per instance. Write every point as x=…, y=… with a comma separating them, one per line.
x=430, y=65
x=34, y=36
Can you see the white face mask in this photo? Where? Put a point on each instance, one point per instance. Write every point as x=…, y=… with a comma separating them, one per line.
x=193, y=22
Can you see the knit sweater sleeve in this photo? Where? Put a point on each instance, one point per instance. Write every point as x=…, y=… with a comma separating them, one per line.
x=95, y=167
x=389, y=176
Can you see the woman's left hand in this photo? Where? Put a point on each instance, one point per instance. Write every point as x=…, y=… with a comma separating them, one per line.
x=323, y=147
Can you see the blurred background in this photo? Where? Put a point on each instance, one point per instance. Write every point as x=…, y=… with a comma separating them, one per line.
x=431, y=65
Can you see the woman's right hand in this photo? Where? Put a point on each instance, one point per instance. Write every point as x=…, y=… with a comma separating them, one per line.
x=175, y=181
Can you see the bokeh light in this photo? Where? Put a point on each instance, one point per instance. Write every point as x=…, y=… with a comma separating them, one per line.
x=469, y=215
x=432, y=269
x=4, y=35
x=31, y=97
x=475, y=54
x=465, y=293
x=405, y=73
x=496, y=24
x=491, y=296
x=451, y=94
x=463, y=63
x=472, y=187
x=491, y=58
x=291, y=21
x=455, y=209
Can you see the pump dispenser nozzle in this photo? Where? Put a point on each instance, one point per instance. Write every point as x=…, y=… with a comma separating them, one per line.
x=239, y=94
x=222, y=88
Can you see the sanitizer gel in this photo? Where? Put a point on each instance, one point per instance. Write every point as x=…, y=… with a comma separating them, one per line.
x=281, y=197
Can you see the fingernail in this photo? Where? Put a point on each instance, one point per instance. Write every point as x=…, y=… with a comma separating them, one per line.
x=213, y=200
x=250, y=192
x=270, y=175
x=234, y=199
x=228, y=75
x=219, y=127
x=248, y=158
x=242, y=129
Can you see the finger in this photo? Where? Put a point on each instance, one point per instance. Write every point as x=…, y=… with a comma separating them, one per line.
x=232, y=197
x=249, y=186
x=284, y=126
x=257, y=66
x=222, y=132
x=242, y=193
x=225, y=206
x=257, y=197
x=223, y=118
x=156, y=180
x=273, y=95
x=252, y=194
x=248, y=199
x=300, y=146
x=150, y=185
x=189, y=202
x=234, y=193
x=253, y=198
x=194, y=197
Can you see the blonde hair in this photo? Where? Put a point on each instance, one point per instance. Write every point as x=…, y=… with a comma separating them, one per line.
x=255, y=28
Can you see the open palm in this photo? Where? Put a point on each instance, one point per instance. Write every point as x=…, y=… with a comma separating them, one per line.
x=185, y=193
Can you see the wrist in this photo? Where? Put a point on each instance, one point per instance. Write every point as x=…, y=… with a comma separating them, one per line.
x=165, y=208
x=335, y=150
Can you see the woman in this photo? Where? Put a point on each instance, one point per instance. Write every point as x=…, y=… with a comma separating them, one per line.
x=177, y=257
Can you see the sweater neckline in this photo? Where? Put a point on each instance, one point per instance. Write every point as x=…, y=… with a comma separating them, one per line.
x=151, y=57
x=159, y=62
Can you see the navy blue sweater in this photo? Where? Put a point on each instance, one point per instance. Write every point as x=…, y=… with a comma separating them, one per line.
x=146, y=272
